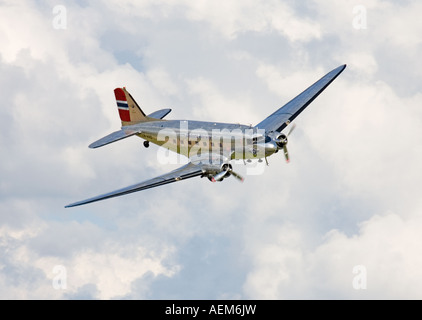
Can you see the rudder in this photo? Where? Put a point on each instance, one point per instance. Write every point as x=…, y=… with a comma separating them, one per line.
x=129, y=110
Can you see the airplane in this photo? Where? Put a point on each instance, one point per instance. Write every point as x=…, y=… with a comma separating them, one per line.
x=209, y=146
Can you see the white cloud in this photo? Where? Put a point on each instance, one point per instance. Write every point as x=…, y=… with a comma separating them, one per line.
x=362, y=62
x=384, y=246
x=216, y=105
x=349, y=197
x=288, y=84
x=232, y=18
x=32, y=253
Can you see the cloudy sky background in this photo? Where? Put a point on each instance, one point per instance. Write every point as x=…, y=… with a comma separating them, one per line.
x=350, y=200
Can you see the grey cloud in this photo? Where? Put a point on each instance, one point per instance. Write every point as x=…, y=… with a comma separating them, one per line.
x=296, y=231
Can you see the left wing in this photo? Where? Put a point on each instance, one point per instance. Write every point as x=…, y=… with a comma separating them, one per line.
x=287, y=113
x=187, y=171
x=113, y=137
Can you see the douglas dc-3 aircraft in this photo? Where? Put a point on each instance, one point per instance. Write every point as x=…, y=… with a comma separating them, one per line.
x=210, y=146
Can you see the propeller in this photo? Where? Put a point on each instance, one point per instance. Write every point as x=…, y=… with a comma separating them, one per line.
x=282, y=142
x=237, y=176
x=291, y=129
x=227, y=170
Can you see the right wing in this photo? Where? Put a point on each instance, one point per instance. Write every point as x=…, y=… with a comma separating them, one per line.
x=287, y=113
x=187, y=171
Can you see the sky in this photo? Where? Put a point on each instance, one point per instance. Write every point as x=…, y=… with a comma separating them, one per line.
x=342, y=220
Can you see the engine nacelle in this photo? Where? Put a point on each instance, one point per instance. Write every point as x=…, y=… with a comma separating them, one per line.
x=219, y=174
x=281, y=140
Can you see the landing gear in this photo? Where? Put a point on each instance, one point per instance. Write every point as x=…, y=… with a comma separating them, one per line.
x=146, y=143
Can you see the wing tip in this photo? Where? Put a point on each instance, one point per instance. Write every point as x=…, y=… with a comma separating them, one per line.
x=333, y=74
x=71, y=205
x=93, y=146
x=342, y=67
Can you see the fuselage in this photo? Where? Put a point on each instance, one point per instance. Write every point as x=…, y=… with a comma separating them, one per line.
x=190, y=138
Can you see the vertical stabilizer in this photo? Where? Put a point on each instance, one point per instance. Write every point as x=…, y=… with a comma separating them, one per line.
x=129, y=111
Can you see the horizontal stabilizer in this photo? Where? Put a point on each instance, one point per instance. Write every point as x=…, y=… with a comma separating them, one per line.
x=160, y=114
x=112, y=137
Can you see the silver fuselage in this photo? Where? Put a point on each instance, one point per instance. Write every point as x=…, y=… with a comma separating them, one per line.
x=190, y=138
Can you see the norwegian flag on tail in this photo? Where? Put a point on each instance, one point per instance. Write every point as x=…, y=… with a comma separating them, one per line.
x=122, y=104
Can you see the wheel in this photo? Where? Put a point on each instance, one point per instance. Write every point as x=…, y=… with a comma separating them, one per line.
x=146, y=144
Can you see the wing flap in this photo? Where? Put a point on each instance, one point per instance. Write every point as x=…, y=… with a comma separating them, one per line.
x=287, y=113
x=188, y=171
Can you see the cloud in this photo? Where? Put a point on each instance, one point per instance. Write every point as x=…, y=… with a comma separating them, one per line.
x=232, y=18
x=385, y=247
x=349, y=198
x=32, y=253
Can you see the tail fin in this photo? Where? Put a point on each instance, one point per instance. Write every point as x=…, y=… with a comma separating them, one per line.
x=129, y=110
